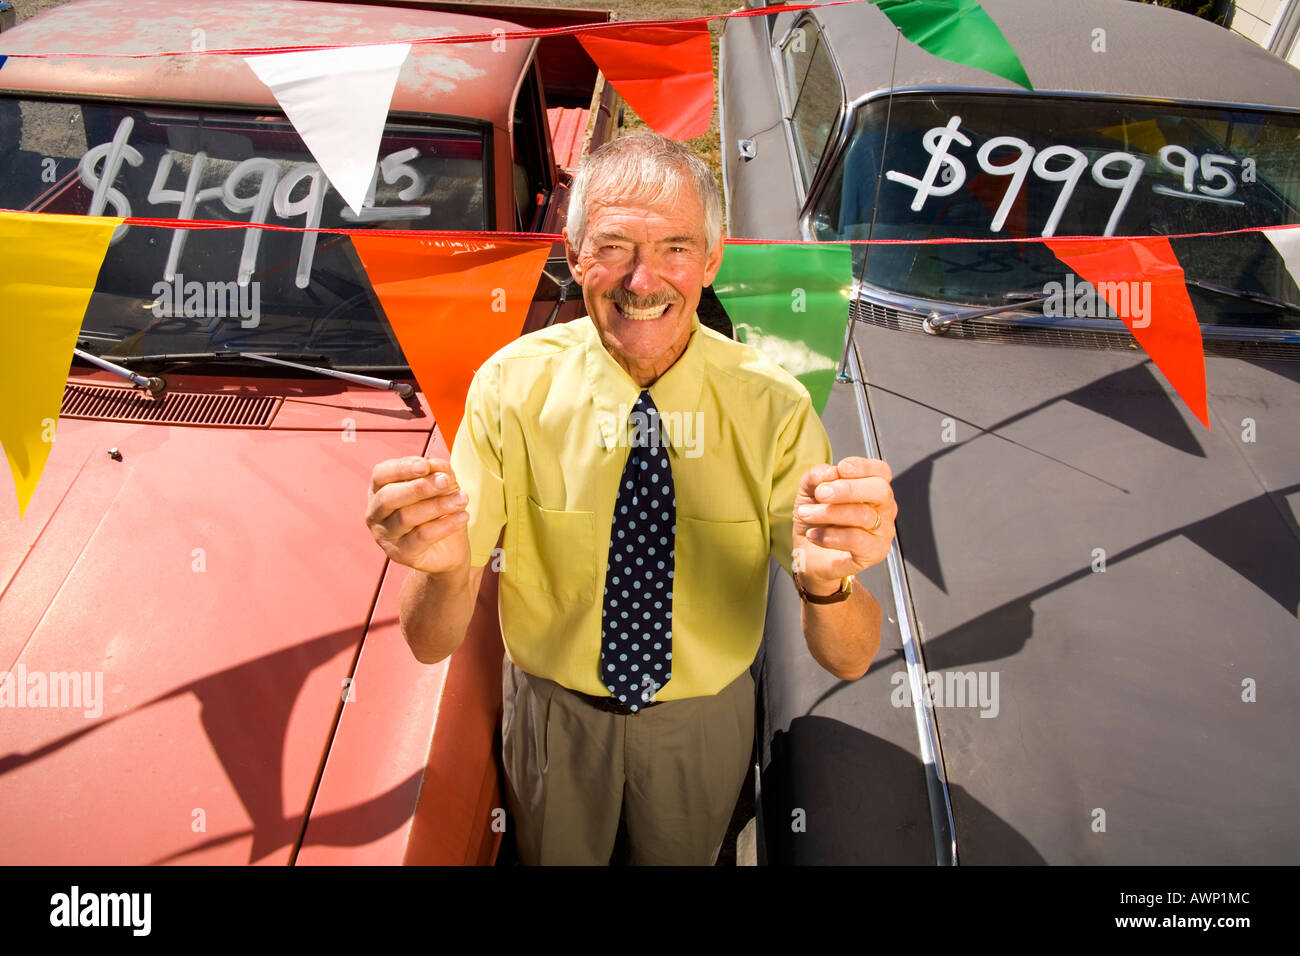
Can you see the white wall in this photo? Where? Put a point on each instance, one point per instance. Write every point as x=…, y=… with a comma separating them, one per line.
x=1273, y=24
x=1254, y=18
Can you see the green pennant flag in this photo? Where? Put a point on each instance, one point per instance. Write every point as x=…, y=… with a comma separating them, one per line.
x=957, y=30
x=791, y=303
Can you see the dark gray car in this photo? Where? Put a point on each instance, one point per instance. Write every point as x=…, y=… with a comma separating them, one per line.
x=1093, y=598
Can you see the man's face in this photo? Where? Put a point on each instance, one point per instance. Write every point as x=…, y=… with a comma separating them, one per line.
x=642, y=269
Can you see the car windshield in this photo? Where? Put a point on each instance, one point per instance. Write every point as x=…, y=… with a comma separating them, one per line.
x=971, y=166
x=169, y=291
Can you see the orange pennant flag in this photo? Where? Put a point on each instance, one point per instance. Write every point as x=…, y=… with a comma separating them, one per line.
x=664, y=72
x=451, y=303
x=1130, y=272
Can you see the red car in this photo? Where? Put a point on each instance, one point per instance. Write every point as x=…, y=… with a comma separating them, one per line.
x=199, y=641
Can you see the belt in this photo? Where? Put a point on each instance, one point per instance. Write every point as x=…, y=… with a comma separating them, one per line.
x=611, y=705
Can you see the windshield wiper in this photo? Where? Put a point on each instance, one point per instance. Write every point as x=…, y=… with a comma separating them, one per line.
x=153, y=384
x=936, y=323
x=404, y=390
x=1256, y=297
x=199, y=357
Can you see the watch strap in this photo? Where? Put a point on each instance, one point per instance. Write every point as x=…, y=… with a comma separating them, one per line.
x=846, y=588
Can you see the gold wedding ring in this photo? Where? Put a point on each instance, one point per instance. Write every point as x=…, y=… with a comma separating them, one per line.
x=875, y=527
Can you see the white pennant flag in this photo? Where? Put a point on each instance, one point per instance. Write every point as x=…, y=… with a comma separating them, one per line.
x=1287, y=243
x=310, y=87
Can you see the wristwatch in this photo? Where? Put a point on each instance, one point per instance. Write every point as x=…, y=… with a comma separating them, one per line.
x=846, y=588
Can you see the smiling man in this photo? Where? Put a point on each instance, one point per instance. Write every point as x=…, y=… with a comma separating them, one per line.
x=634, y=586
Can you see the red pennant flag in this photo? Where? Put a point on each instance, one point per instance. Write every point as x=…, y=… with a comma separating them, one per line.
x=452, y=303
x=1122, y=269
x=664, y=72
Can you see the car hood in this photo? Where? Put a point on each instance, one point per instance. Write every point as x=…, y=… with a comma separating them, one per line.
x=1106, y=592
x=179, y=617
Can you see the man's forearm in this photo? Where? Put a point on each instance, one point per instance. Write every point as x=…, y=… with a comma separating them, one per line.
x=435, y=611
x=845, y=637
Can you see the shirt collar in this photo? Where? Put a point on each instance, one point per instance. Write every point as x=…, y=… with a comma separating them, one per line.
x=614, y=392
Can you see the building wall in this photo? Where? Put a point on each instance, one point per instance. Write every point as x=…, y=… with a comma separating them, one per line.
x=1270, y=23
x=1254, y=18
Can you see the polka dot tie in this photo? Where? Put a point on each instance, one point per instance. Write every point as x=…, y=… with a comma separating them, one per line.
x=636, y=648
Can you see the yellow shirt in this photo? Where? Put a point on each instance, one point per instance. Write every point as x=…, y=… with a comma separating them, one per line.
x=540, y=451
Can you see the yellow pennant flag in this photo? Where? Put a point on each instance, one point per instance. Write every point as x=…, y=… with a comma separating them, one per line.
x=48, y=266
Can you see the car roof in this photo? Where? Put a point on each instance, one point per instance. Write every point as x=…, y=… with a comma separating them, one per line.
x=1150, y=52
x=469, y=79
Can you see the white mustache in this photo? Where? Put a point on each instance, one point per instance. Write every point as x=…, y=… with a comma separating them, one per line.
x=627, y=300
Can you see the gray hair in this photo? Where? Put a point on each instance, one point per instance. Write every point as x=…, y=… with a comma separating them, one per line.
x=647, y=168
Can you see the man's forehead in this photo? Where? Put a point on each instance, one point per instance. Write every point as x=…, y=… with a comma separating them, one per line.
x=669, y=198
x=635, y=216
x=671, y=234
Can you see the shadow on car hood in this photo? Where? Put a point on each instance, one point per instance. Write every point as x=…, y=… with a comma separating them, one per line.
x=1106, y=593
x=178, y=625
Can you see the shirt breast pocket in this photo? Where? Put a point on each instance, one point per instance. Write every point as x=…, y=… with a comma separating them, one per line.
x=555, y=551
x=718, y=562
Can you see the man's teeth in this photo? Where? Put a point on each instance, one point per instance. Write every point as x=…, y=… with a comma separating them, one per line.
x=643, y=315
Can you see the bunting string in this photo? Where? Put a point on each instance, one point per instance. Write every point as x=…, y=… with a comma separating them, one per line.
x=522, y=33
x=426, y=283
x=470, y=235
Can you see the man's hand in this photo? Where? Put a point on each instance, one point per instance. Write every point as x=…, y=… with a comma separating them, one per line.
x=416, y=512
x=843, y=521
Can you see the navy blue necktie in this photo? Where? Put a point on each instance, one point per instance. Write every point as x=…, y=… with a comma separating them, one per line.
x=636, y=646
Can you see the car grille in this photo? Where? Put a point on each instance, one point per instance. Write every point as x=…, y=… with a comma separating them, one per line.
x=125, y=404
x=873, y=313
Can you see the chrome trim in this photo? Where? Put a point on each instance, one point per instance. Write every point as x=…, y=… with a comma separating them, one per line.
x=722, y=133
x=1070, y=95
x=794, y=22
x=835, y=146
x=1016, y=316
x=788, y=121
x=778, y=74
x=936, y=781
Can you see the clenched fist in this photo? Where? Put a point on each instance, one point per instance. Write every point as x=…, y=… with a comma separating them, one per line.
x=843, y=520
x=416, y=512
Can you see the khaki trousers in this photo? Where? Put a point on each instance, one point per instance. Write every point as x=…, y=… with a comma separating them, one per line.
x=672, y=771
